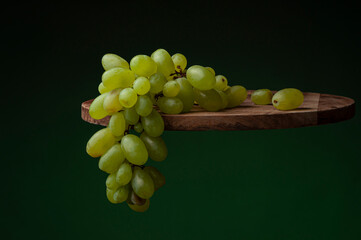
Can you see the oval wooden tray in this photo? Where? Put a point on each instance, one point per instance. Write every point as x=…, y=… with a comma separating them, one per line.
x=316, y=109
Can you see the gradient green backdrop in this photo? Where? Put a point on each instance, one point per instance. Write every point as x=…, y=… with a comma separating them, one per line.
x=278, y=184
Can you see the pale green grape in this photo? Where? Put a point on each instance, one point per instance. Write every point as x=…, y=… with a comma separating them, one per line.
x=100, y=142
x=103, y=89
x=170, y=105
x=144, y=106
x=157, y=82
x=201, y=78
x=142, y=183
x=156, y=175
x=156, y=147
x=138, y=127
x=171, y=88
x=111, y=182
x=236, y=95
x=96, y=109
x=111, y=60
x=211, y=70
x=180, y=61
x=124, y=174
x=262, y=97
x=111, y=102
x=131, y=116
x=121, y=194
x=209, y=100
x=128, y=97
x=287, y=99
x=141, y=85
x=185, y=94
x=224, y=99
x=153, y=124
x=164, y=62
x=112, y=159
x=143, y=65
x=110, y=195
x=134, y=149
x=141, y=208
x=221, y=83
x=118, y=78
x=117, y=124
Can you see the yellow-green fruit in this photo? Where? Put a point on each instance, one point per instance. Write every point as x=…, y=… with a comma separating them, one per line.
x=262, y=97
x=287, y=99
x=100, y=142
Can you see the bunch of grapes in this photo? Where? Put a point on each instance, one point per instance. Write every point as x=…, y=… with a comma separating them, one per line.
x=131, y=94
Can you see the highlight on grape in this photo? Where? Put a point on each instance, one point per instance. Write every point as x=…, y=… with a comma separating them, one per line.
x=133, y=94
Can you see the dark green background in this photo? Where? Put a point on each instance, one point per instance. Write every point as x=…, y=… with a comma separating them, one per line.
x=278, y=184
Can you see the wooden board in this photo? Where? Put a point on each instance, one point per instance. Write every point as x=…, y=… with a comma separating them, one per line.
x=316, y=109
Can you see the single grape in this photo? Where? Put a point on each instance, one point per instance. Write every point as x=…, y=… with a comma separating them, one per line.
x=211, y=70
x=118, y=78
x=110, y=195
x=143, y=65
x=96, y=109
x=185, y=94
x=142, y=183
x=180, y=61
x=157, y=82
x=112, y=159
x=170, y=105
x=221, y=83
x=236, y=95
x=117, y=124
x=153, y=124
x=111, y=102
x=121, y=194
x=128, y=97
x=262, y=97
x=141, y=85
x=201, y=78
x=134, y=149
x=100, y=142
x=171, y=89
x=136, y=200
x=144, y=106
x=124, y=174
x=131, y=116
x=287, y=99
x=103, y=89
x=111, y=60
x=209, y=100
x=164, y=62
x=156, y=175
x=138, y=127
x=111, y=182
x=224, y=99
x=156, y=147
x=141, y=208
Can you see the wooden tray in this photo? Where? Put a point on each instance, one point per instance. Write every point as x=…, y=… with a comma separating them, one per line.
x=316, y=109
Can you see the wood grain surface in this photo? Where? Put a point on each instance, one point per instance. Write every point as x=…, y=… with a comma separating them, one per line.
x=316, y=109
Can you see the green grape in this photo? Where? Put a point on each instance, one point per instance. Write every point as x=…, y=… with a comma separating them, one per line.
x=138, y=127
x=100, y=142
x=143, y=65
x=201, y=78
x=224, y=99
x=164, y=62
x=117, y=124
x=209, y=100
x=118, y=78
x=112, y=159
x=170, y=105
x=96, y=109
x=131, y=116
x=221, y=83
x=262, y=97
x=211, y=70
x=141, y=85
x=153, y=124
x=121, y=194
x=110, y=195
x=185, y=94
x=180, y=61
x=156, y=175
x=142, y=183
x=124, y=174
x=134, y=149
x=111, y=182
x=111, y=60
x=157, y=82
x=287, y=99
x=141, y=208
x=156, y=147
x=171, y=89
x=103, y=89
x=152, y=97
x=144, y=106
x=128, y=97
x=236, y=95
x=111, y=102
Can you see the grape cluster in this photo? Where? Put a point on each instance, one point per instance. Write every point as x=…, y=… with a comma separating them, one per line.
x=131, y=94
